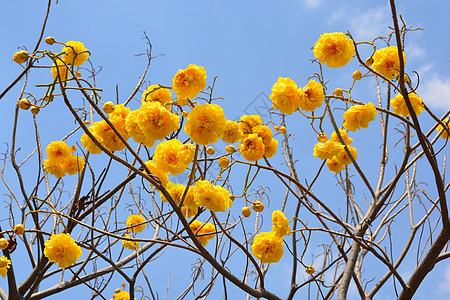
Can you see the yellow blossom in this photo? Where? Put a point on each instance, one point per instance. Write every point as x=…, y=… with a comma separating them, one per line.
x=271, y=149
x=386, y=62
x=130, y=244
x=267, y=247
x=334, y=166
x=327, y=150
x=205, y=124
x=62, y=249
x=4, y=265
x=138, y=135
x=73, y=165
x=359, y=116
x=232, y=132
x=247, y=122
x=313, y=96
x=75, y=53
x=157, y=93
x=121, y=295
x=334, y=49
x=343, y=158
x=344, y=135
x=285, y=95
x=58, y=150
x=62, y=70
x=189, y=82
x=54, y=167
x=252, y=147
x=399, y=105
x=264, y=132
x=213, y=197
x=280, y=224
x=444, y=133
x=155, y=121
x=173, y=156
x=133, y=221
x=197, y=228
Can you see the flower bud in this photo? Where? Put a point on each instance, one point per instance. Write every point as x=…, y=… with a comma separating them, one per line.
x=86, y=122
x=357, y=75
x=24, y=104
x=322, y=137
x=3, y=244
x=338, y=92
x=184, y=114
x=50, y=40
x=224, y=161
x=49, y=98
x=258, y=206
x=210, y=150
x=276, y=128
x=246, y=211
x=230, y=149
x=35, y=110
x=20, y=57
x=282, y=130
x=78, y=74
x=19, y=229
x=310, y=270
x=369, y=61
x=108, y=107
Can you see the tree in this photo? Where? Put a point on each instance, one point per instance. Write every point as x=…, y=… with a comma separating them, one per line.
x=79, y=217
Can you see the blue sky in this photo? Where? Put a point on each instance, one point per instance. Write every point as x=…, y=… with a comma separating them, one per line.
x=247, y=44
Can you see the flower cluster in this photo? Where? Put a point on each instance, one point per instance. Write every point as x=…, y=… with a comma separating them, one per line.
x=61, y=161
x=213, y=197
x=173, y=156
x=359, y=116
x=136, y=223
x=4, y=265
x=232, y=132
x=189, y=82
x=334, y=49
x=334, y=152
x=205, y=124
x=204, y=232
x=176, y=191
x=399, y=105
x=286, y=96
x=386, y=62
x=62, y=249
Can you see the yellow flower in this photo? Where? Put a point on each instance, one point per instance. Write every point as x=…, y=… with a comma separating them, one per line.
x=19, y=229
x=205, y=124
x=88, y=144
x=399, y=105
x=213, y=197
x=173, y=156
x=155, y=121
x=343, y=158
x=73, y=165
x=264, y=132
x=121, y=295
x=286, y=97
x=344, y=135
x=151, y=165
x=21, y=56
x=54, y=167
x=130, y=244
x=157, y=93
x=4, y=265
x=232, y=132
x=134, y=220
x=62, y=69
x=189, y=82
x=247, y=122
x=252, y=147
x=334, y=166
x=62, y=249
x=3, y=244
x=280, y=224
x=267, y=247
x=386, y=62
x=334, y=49
x=139, y=136
x=444, y=133
x=176, y=190
x=59, y=151
x=313, y=96
x=106, y=136
x=327, y=150
x=197, y=228
x=271, y=149
x=119, y=112
x=224, y=161
x=75, y=53
x=359, y=116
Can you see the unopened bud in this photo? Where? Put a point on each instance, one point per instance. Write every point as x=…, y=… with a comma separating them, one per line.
x=258, y=206
x=283, y=130
x=24, y=104
x=210, y=150
x=230, y=149
x=35, y=110
x=224, y=161
x=338, y=92
x=369, y=61
x=322, y=137
x=108, y=107
x=357, y=75
x=184, y=114
x=78, y=74
x=276, y=128
x=86, y=122
x=246, y=211
x=50, y=40
x=20, y=57
x=310, y=270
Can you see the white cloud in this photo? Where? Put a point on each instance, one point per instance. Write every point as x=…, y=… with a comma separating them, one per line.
x=414, y=51
x=312, y=3
x=369, y=24
x=435, y=92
